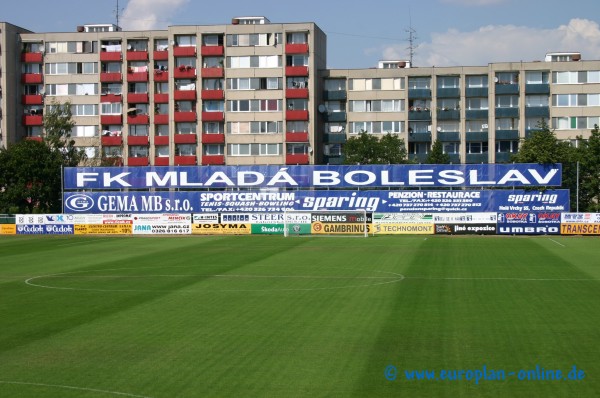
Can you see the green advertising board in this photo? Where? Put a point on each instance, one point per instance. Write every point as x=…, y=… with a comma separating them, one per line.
x=277, y=229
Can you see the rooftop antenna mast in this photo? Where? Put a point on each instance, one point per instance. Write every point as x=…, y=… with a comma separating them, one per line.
x=118, y=12
x=412, y=37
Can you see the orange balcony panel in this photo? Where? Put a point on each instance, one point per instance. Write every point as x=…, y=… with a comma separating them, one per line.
x=111, y=119
x=32, y=58
x=184, y=138
x=138, y=140
x=296, y=48
x=161, y=119
x=161, y=140
x=112, y=141
x=137, y=55
x=296, y=137
x=33, y=120
x=137, y=76
x=213, y=159
x=139, y=161
x=296, y=115
x=211, y=50
x=161, y=98
x=185, y=117
x=296, y=159
x=212, y=72
x=161, y=76
x=296, y=93
x=32, y=78
x=184, y=95
x=213, y=116
x=38, y=139
x=161, y=161
x=111, y=77
x=213, y=138
x=138, y=119
x=112, y=98
x=184, y=51
x=160, y=55
x=185, y=160
x=138, y=98
x=212, y=94
x=184, y=72
x=296, y=70
x=32, y=99
x=111, y=56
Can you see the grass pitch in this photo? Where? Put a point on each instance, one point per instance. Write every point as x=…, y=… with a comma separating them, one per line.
x=269, y=316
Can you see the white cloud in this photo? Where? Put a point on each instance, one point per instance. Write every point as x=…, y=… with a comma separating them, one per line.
x=502, y=43
x=150, y=14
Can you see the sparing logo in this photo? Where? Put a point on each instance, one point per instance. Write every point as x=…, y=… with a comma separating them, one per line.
x=79, y=202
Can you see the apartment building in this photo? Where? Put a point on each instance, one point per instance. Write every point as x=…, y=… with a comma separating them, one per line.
x=256, y=92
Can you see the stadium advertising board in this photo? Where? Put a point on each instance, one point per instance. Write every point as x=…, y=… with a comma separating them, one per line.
x=335, y=228
x=8, y=229
x=392, y=201
x=465, y=229
x=162, y=224
x=350, y=176
x=580, y=224
x=395, y=218
x=278, y=229
x=264, y=218
x=402, y=229
x=221, y=229
x=103, y=229
x=529, y=223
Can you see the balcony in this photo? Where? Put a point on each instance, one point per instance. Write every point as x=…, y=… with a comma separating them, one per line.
x=161, y=75
x=138, y=119
x=507, y=135
x=296, y=70
x=213, y=159
x=476, y=136
x=112, y=141
x=334, y=138
x=507, y=112
x=335, y=117
x=537, y=89
x=509, y=88
x=301, y=158
x=339, y=95
x=111, y=56
x=419, y=115
x=185, y=72
x=477, y=158
x=296, y=137
x=301, y=48
x=111, y=119
x=111, y=98
x=161, y=161
x=417, y=157
x=419, y=93
x=451, y=114
x=161, y=119
x=161, y=98
x=137, y=76
x=448, y=92
x=296, y=93
x=138, y=161
x=185, y=160
x=212, y=94
x=185, y=117
x=213, y=138
x=32, y=78
x=161, y=140
x=142, y=140
x=160, y=55
x=137, y=55
x=211, y=51
x=184, y=138
x=476, y=92
x=184, y=95
x=213, y=116
x=32, y=99
x=448, y=136
x=419, y=137
x=296, y=115
x=189, y=51
x=33, y=120
x=212, y=72
x=504, y=157
x=333, y=160
x=32, y=58
x=37, y=138
x=537, y=111
x=111, y=77
x=474, y=114
x=138, y=98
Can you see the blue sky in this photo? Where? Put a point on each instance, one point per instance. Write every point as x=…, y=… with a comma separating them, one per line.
x=359, y=33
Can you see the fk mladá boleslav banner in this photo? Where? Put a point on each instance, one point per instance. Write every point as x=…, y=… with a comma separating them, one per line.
x=371, y=176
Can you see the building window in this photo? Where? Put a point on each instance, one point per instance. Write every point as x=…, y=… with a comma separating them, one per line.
x=185, y=128
x=254, y=61
x=254, y=105
x=507, y=101
x=477, y=103
x=536, y=100
x=332, y=150
x=448, y=82
x=136, y=151
x=507, y=146
x=185, y=40
x=162, y=130
x=213, y=149
x=84, y=110
x=138, y=130
x=507, y=123
x=109, y=108
x=161, y=151
x=84, y=131
x=451, y=148
x=537, y=77
x=213, y=128
x=477, y=147
x=185, y=150
x=477, y=81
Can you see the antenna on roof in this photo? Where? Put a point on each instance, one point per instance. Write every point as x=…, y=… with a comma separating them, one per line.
x=118, y=12
x=412, y=37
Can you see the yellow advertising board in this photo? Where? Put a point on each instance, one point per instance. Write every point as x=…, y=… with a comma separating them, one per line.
x=320, y=228
x=103, y=229
x=403, y=229
x=8, y=229
x=579, y=229
x=221, y=229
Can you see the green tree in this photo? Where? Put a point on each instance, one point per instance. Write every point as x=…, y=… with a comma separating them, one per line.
x=437, y=155
x=369, y=149
x=589, y=172
x=58, y=123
